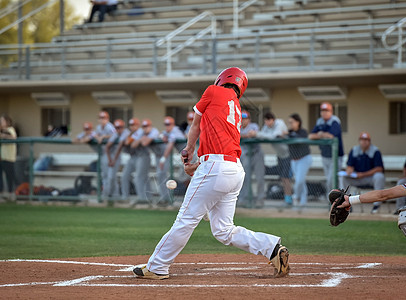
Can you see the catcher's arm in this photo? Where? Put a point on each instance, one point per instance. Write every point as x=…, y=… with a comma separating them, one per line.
x=374, y=196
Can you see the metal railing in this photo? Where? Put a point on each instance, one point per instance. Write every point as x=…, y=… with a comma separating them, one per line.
x=51, y=60
x=169, y=37
x=237, y=9
x=32, y=141
x=400, y=40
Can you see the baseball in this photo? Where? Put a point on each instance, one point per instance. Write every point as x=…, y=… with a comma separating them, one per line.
x=171, y=184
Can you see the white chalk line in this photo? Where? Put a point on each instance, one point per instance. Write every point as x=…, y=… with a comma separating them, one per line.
x=334, y=280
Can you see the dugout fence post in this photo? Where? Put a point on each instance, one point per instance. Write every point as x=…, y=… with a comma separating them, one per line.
x=249, y=174
x=171, y=175
x=31, y=172
x=334, y=154
x=99, y=179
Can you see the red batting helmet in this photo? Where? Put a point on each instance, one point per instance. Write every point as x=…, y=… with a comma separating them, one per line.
x=234, y=76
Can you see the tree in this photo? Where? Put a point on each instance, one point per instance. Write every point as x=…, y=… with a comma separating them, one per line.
x=39, y=28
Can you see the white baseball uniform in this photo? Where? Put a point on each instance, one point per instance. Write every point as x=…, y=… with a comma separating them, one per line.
x=215, y=185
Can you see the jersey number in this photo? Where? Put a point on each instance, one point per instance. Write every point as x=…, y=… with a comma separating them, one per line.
x=231, y=115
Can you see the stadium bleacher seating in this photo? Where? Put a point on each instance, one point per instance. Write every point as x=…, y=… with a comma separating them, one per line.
x=272, y=36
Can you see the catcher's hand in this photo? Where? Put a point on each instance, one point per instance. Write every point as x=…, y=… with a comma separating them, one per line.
x=338, y=215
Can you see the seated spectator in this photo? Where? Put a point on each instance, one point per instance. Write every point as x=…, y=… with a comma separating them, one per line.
x=301, y=159
x=365, y=167
x=401, y=202
x=102, y=7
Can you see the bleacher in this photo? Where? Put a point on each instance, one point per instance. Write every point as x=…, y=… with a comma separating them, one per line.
x=271, y=36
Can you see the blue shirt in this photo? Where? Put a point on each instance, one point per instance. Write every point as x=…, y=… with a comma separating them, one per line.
x=333, y=126
x=364, y=161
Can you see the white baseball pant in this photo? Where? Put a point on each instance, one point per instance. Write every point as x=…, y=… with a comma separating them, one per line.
x=214, y=189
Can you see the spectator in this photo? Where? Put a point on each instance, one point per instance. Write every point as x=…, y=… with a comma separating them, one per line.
x=133, y=134
x=102, y=7
x=252, y=165
x=401, y=202
x=87, y=135
x=104, y=131
x=365, y=167
x=276, y=128
x=169, y=137
x=301, y=159
x=110, y=189
x=149, y=134
x=190, y=116
x=53, y=131
x=8, y=155
x=328, y=126
x=50, y=130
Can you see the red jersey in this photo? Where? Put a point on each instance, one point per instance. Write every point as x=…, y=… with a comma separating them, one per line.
x=221, y=122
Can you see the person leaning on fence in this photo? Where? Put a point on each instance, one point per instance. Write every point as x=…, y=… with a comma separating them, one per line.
x=301, y=159
x=87, y=135
x=189, y=119
x=129, y=136
x=328, y=126
x=147, y=146
x=253, y=165
x=365, y=167
x=111, y=189
x=104, y=131
x=273, y=129
x=8, y=155
x=169, y=136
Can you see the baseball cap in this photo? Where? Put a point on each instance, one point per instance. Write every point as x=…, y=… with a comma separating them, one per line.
x=326, y=106
x=146, y=122
x=169, y=121
x=104, y=115
x=87, y=125
x=134, y=121
x=119, y=123
x=364, y=136
x=190, y=115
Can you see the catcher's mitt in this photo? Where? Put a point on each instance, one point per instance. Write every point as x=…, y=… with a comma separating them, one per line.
x=338, y=215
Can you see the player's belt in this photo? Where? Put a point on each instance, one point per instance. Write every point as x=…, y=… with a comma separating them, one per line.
x=218, y=157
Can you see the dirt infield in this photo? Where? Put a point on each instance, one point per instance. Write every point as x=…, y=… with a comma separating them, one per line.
x=206, y=277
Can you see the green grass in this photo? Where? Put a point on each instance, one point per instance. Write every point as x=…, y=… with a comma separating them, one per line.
x=58, y=232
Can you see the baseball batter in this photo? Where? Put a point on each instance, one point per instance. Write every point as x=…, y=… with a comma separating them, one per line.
x=217, y=180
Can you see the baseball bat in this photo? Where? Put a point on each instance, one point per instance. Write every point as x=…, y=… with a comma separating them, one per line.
x=184, y=155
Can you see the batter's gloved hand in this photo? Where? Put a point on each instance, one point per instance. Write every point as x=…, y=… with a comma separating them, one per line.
x=338, y=215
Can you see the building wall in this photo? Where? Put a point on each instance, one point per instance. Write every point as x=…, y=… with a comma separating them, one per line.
x=367, y=110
